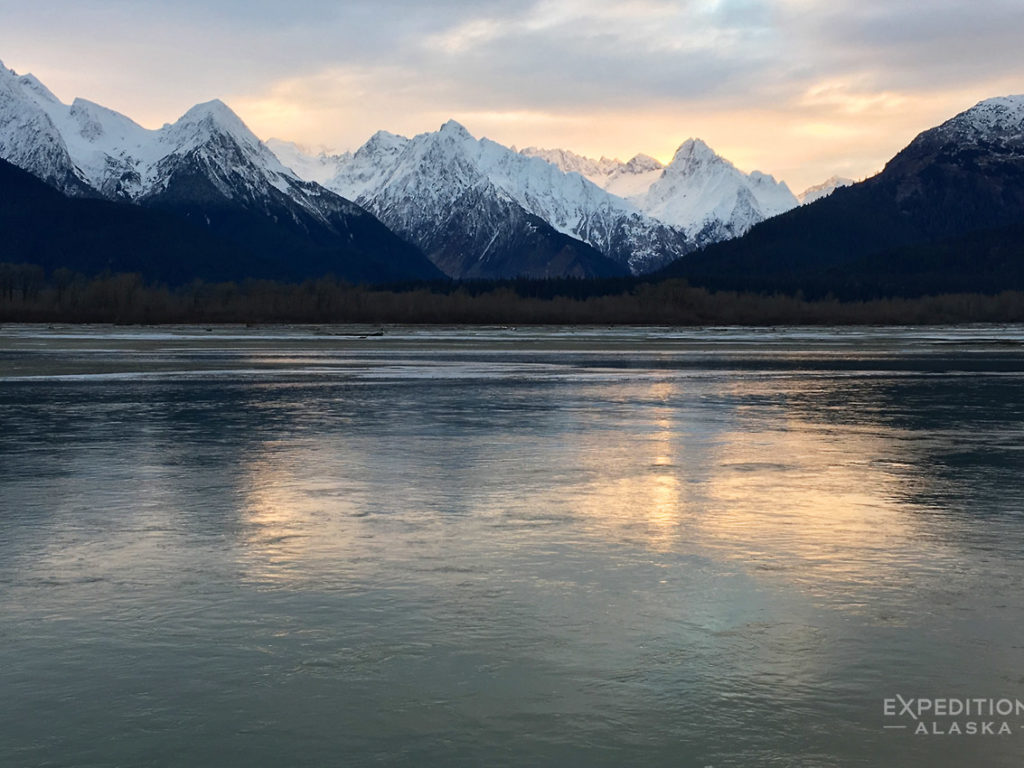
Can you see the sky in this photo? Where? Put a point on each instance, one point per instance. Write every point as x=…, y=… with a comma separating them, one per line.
x=802, y=89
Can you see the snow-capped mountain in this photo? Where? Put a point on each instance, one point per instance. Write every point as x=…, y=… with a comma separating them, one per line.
x=824, y=189
x=998, y=121
x=118, y=158
x=708, y=197
x=448, y=191
x=699, y=192
x=366, y=173
x=208, y=165
x=970, y=167
x=991, y=132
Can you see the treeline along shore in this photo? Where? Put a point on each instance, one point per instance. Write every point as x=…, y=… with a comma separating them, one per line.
x=29, y=294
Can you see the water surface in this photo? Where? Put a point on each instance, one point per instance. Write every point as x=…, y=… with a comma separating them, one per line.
x=521, y=547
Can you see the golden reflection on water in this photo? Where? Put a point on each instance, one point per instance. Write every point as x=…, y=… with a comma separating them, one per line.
x=799, y=500
x=824, y=505
x=277, y=518
x=820, y=505
x=665, y=502
x=778, y=492
x=290, y=521
x=637, y=489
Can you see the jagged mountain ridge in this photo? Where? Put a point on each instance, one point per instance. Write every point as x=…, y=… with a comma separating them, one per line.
x=114, y=156
x=629, y=180
x=422, y=187
x=207, y=166
x=699, y=192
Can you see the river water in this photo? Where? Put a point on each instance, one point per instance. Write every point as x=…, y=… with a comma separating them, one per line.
x=509, y=547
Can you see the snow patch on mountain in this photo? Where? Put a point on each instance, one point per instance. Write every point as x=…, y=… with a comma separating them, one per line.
x=995, y=123
x=570, y=162
x=824, y=189
x=312, y=164
x=632, y=179
x=1002, y=116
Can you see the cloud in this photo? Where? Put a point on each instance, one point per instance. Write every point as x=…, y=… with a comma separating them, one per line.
x=830, y=75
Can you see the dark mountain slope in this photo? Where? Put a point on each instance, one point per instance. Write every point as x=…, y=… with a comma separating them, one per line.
x=42, y=226
x=943, y=215
x=167, y=243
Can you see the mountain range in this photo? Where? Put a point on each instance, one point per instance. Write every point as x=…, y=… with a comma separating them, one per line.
x=467, y=203
x=943, y=214
x=640, y=214
x=208, y=169
x=451, y=204
x=699, y=192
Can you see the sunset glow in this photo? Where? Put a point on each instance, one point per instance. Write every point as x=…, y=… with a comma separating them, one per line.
x=800, y=89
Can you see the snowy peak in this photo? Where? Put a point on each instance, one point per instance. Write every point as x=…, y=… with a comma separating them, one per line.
x=384, y=141
x=39, y=91
x=709, y=198
x=380, y=146
x=451, y=139
x=454, y=129
x=30, y=136
x=215, y=115
x=699, y=192
x=357, y=175
x=203, y=121
x=693, y=153
x=210, y=142
x=642, y=164
x=991, y=125
x=991, y=132
x=766, y=187
x=95, y=121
